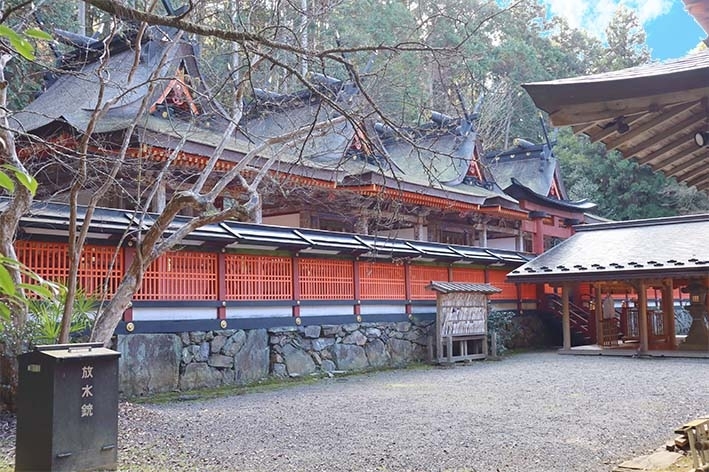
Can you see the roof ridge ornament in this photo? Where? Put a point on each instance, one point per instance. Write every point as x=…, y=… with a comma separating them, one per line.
x=172, y=11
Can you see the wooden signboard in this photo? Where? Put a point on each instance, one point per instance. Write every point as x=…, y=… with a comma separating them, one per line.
x=461, y=320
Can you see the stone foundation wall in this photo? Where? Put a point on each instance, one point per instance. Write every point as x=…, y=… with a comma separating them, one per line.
x=154, y=363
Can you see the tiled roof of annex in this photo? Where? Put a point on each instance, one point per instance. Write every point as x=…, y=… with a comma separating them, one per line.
x=638, y=249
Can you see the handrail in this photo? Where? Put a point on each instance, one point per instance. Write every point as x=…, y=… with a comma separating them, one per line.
x=577, y=315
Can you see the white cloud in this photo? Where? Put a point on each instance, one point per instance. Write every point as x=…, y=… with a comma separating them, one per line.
x=594, y=15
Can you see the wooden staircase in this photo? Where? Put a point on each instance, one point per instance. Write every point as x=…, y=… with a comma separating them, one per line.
x=578, y=316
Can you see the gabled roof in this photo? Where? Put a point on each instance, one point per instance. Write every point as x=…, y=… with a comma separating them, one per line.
x=71, y=99
x=530, y=172
x=649, y=113
x=532, y=165
x=653, y=248
x=521, y=192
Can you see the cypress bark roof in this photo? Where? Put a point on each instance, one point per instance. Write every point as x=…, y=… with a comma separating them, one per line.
x=433, y=158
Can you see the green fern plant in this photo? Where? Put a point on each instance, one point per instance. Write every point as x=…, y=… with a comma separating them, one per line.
x=46, y=317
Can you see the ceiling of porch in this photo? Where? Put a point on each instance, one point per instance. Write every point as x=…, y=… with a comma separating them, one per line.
x=649, y=113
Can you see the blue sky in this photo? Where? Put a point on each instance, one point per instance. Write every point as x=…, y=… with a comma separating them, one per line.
x=673, y=34
x=671, y=31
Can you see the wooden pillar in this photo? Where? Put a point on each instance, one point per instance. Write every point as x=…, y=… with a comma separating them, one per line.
x=296, y=286
x=362, y=224
x=257, y=213
x=419, y=229
x=518, y=288
x=409, y=292
x=129, y=254
x=598, y=312
x=668, y=311
x=483, y=235
x=538, y=237
x=160, y=199
x=565, y=320
x=357, y=288
x=519, y=243
x=706, y=299
x=642, y=316
x=221, y=285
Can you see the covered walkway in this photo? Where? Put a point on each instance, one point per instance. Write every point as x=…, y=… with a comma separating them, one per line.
x=665, y=256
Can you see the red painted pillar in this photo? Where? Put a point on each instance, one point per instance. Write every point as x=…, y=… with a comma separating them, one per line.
x=407, y=287
x=296, y=286
x=128, y=256
x=538, y=238
x=357, y=288
x=221, y=285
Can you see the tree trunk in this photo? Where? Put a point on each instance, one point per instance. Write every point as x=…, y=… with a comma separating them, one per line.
x=110, y=316
x=8, y=378
x=14, y=339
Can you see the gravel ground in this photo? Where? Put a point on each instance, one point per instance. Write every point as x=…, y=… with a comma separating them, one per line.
x=528, y=412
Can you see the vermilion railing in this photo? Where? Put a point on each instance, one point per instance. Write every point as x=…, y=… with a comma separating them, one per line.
x=326, y=279
x=100, y=268
x=382, y=281
x=469, y=275
x=180, y=276
x=258, y=277
x=421, y=276
x=188, y=275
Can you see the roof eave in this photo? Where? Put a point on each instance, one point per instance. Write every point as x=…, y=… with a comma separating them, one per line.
x=590, y=276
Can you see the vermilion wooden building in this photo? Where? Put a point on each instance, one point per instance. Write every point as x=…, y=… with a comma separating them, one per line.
x=256, y=276
x=356, y=220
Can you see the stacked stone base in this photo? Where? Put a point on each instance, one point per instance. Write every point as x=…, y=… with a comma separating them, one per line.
x=155, y=363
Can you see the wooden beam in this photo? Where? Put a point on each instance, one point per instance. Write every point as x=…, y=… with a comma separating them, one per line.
x=593, y=111
x=637, y=130
x=609, y=130
x=585, y=128
x=578, y=116
x=659, y=153
x=666, y=133
x=674, y=162
x=698, y=177
x=687, y=166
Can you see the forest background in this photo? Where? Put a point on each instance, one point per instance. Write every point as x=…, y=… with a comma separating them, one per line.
x=498, y=46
